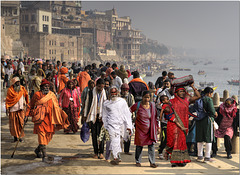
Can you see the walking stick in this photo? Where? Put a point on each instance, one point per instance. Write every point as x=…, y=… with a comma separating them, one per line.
x=18, y=139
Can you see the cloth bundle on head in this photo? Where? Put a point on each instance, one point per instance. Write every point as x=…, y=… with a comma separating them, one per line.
x=64, y=70
x=125, y=86
x=44, y=81
x=14, y=80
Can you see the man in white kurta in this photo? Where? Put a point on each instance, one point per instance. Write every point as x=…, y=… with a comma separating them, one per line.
x=116, y=119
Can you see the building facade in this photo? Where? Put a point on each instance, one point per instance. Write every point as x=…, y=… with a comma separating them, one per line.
x=10, y=37
x=127, y=44
x=44, y=37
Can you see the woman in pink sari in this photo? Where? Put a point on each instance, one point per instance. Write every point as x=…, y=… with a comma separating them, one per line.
x=227, y=112
x=70, y=103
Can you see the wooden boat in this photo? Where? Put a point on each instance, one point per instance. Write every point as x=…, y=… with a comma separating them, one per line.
x=234, y=82
x=201, y=72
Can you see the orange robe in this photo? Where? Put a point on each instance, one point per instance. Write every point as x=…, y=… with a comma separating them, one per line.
x=62, y=82
x=16, y=119
x=55, y=118
x=83, y=79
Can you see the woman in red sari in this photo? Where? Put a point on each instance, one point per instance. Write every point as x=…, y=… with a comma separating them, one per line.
x=176, y=138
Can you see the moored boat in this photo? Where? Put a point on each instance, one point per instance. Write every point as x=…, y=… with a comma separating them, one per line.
x=201, y=72
x=233, y=82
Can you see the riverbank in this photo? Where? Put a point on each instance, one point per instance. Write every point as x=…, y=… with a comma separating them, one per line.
x=72, y=156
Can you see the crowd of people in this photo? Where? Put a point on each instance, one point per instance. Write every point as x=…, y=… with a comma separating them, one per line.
x=116, y=105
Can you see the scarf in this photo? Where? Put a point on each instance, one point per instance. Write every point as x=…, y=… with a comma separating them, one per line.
x=228, y=111
x=139, y=80
x=59, y=117
x=92, y=115
x=13, y=97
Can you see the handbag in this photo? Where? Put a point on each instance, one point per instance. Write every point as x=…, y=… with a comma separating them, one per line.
x=85, y=132
x=215, y=125
x=38, y=114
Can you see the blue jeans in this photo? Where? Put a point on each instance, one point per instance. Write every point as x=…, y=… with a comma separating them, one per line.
x=151, y=154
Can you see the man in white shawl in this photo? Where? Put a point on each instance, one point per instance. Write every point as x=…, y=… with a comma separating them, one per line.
x=94, y=117
x=116, y=119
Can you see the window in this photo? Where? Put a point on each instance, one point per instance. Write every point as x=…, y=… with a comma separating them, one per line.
x=129, y=46
x=119, y=33
x=55, y=43
x=55, y=52
x=62, y=44
x=32, y=29
x=26, y=17
x=45, y=28
x=47, y=18
x=26, y=29
x=33, y=18
x=52, y=51
x=118, y=46
x=22, y=17
x=43, y=17
x=68, y=52
x=15, y=11
x=49, y=51
x=52, y=43
x=125, y=46
x=49, y=43
x=72, y=43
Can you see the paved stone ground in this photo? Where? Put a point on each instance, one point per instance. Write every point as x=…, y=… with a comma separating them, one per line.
x=72, y=156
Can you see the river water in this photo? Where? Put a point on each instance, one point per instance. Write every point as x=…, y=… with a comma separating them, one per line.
x=213, y=73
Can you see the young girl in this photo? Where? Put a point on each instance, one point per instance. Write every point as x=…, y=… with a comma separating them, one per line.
x=167, y=111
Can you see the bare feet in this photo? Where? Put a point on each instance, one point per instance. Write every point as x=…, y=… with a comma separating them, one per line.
x=95, y=156
x=101, y=156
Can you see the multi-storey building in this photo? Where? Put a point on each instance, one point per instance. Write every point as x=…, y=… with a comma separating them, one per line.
x=45, y=36
x=127, y=44
x=125, y=40
x=10, y=38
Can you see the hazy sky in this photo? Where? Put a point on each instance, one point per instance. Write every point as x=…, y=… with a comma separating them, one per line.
x=210, y=27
